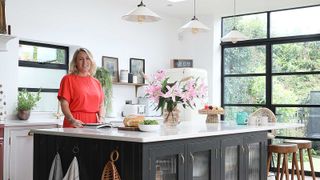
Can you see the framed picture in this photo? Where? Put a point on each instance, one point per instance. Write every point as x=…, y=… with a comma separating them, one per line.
x=111, y=64
x=182, y=63
x=137, y=67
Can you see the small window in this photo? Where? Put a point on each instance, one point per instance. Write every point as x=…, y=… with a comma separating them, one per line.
x=254, y=26
x=41, y=66
x=295, y=22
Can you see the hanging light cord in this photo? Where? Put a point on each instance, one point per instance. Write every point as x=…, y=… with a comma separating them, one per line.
x=194, y=10
x=234, y=15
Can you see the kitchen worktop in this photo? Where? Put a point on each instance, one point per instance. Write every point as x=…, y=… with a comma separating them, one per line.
x=40, y=122
x=185, y=130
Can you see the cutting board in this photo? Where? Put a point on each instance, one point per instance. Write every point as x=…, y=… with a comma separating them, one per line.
x=129, y=128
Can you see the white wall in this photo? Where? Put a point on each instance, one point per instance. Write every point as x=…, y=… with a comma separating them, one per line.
x=96, y=25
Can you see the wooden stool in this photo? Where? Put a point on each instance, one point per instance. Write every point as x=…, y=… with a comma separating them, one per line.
x=284, y=149
x=304, y=144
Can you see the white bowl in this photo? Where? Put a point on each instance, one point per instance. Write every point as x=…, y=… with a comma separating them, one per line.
x=148, y=128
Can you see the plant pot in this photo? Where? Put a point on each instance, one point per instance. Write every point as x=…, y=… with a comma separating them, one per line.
x=23, y=114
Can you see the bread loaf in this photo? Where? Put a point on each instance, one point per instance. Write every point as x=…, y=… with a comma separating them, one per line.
x=133, y=120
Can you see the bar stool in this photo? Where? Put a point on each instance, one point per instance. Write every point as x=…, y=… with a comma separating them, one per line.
x=284, y=149
x=304, y=144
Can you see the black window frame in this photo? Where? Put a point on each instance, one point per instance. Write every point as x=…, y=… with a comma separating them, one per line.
x=268, y=42
x=42, y=65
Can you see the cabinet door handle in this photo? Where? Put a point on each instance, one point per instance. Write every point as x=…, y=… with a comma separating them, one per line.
x=30, y=133
x=192, y=157
x=242, y=148
x=182, y=157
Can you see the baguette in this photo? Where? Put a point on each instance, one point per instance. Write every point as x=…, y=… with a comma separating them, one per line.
x=132, y=120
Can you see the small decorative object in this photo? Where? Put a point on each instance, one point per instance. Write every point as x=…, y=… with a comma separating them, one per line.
x=110, y=171
x=182, y=63
x=26, y=101
x=264, y=112
x=124, y=76
x=105, y=79
x=137, y=68
x=168, y=95
x=112, y=66
x=3, y=104
x=212, y=113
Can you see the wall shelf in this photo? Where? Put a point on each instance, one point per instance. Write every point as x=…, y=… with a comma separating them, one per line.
x=3, y=41
x=136, y=85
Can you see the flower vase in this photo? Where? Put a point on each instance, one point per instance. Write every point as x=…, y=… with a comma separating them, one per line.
x=171, y=118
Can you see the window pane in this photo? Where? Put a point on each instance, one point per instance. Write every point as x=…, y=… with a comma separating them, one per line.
x=42, y=54
x=254, y=26
x=296, y=89
x=39, y=78
x=245, y=90
x=295, y=22
x=231, y=111
x=296, y=57
x=309, y=116
x=242, y=60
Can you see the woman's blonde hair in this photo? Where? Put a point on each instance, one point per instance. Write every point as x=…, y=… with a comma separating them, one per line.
x=73, y=67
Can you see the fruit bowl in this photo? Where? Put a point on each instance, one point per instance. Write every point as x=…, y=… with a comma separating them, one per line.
x=148, y=128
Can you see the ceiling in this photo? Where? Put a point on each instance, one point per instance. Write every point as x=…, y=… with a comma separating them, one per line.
x=179, y=9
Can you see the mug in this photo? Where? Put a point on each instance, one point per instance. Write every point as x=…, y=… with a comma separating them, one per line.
x=264, y=120
x=242, y=118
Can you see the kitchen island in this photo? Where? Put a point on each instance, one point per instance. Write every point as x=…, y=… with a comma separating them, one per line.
x=193, y=150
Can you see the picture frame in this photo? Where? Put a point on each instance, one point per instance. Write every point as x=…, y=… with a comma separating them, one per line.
x=182, y=63
x=111, y=64
x=137, y=67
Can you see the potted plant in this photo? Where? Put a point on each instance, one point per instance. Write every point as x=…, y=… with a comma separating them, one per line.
x=105, y=79
x=26, y=101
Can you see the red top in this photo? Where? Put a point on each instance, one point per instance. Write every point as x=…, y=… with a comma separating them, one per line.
x=84, y=95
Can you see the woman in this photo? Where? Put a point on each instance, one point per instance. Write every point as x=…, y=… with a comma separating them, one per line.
x=80, y=94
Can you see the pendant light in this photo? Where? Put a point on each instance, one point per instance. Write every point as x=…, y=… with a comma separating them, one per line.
x=141, y=14
x=234, y=35
x=194, y=25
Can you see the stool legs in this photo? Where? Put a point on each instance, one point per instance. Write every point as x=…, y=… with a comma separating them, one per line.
x=278, y=165
x=295, y=163
x=311, y=164
x=301, y=163
x=269, y=162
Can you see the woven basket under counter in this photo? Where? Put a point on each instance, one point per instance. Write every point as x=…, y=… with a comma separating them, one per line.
x=110, y=171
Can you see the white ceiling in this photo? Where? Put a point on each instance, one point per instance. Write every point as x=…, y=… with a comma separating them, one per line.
x=179, y=9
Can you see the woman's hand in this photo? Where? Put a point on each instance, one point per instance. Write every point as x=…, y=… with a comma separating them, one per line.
x=76, y=123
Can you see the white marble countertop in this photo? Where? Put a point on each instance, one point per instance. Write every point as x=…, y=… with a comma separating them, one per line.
x=185, y=130
x=39, y=122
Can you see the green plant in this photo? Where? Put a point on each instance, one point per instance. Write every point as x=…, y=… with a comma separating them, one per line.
x=149, y=122
x=27, y=100
x=106, y=82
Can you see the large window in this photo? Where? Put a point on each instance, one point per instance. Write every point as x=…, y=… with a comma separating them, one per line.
x=278, y=68
x=41, y=66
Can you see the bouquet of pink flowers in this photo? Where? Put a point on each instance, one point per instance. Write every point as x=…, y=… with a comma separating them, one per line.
x=169, y=95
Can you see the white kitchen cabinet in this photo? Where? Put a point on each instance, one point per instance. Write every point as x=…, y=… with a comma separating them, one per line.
x=18, y=163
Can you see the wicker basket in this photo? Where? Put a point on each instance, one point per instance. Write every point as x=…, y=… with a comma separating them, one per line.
x=110, y=171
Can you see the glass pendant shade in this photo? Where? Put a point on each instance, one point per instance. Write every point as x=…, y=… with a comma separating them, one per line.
x=234, y=36
x=194, y=25
x=141, y=14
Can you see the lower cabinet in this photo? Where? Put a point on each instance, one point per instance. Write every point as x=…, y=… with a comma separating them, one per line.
x=19, y=152
x=232, y=157
x=225, y=157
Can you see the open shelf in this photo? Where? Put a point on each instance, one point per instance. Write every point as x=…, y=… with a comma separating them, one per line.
x=136, y=85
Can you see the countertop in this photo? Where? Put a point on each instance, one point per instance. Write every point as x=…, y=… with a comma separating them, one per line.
x=184, y=130
x=40, y=122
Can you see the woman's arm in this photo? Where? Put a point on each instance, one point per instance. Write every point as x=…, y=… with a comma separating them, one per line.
x=67, y=113
x=102, y=113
